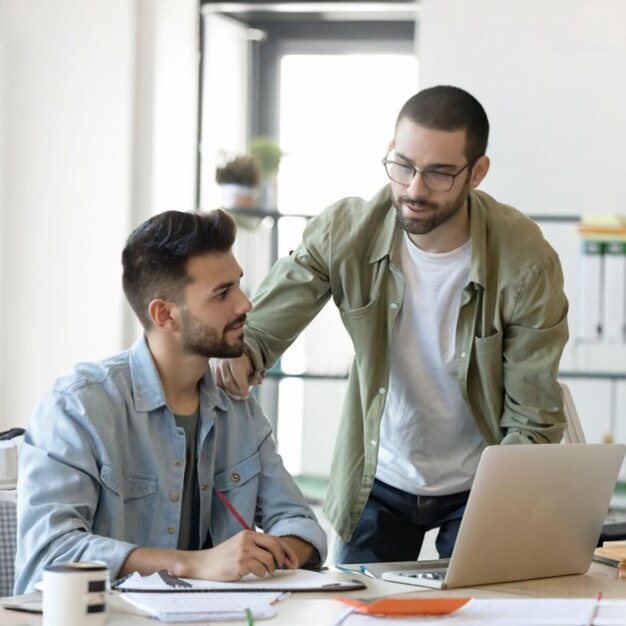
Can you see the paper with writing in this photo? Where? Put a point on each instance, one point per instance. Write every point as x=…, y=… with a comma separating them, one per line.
x=282, y=580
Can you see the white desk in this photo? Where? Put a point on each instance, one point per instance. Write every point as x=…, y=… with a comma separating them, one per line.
x=318, y=609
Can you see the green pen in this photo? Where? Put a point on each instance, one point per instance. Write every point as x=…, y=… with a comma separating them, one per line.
x=249, y=618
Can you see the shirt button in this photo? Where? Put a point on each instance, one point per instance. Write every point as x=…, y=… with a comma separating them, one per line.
x=174, y=497
x=235, y=477
x=381, y=391
x=171, y=530
x=204, y=487
x=373, y=442
x=393, y=305
x=463, y=355
x=178, y=464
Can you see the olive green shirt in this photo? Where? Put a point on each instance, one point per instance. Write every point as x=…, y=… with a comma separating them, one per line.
x=511, y=329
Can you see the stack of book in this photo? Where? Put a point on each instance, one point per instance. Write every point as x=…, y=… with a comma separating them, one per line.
x=612, y=553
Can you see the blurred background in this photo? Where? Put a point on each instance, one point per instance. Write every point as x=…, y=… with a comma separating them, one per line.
x=114, y=110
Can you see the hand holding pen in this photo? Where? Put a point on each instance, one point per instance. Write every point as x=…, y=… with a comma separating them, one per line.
x=247, y=552
x=292, y=551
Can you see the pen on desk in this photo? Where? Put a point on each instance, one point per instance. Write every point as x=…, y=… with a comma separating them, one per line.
x=119, y=581
x=232, y=509
x=594, y=612
x=249, y=618
x=281, y=597
x=365, y=571
x=345, y=570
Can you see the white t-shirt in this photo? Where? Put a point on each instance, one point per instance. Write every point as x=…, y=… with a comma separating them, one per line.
x=429, y=444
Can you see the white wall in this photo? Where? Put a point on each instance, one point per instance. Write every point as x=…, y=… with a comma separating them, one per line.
x=176, y=60
x=78, y=170
x=550, y=74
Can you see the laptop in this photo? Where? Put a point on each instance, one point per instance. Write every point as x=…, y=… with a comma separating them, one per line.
x=534, y=511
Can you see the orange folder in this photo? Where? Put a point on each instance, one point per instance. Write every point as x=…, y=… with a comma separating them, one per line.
x=407, y=606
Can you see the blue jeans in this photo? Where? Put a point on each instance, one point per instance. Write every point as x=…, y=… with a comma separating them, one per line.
x=393, y=525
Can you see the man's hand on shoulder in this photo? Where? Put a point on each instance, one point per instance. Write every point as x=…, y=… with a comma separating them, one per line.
x=235, y=375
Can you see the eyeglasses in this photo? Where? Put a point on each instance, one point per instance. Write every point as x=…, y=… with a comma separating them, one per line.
x=404, y=173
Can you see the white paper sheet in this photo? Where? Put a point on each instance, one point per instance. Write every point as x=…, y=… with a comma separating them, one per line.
x=192, y=607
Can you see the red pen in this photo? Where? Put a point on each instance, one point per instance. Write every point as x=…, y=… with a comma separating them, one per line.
x=232, y=509
x=594, y=612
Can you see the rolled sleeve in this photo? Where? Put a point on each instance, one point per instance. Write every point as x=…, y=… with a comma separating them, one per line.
x=291, y=295
x=533, y=344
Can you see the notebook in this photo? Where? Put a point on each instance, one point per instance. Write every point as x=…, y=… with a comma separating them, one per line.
x=534, y=511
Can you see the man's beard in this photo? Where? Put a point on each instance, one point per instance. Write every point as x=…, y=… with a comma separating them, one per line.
x=206, y=341
x=438, y=213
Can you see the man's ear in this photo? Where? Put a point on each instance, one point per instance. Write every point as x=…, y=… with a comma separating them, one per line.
x=164, y=314
x=479, y=171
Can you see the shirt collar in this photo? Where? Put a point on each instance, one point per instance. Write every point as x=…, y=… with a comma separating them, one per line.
x=146, y=382
x=383, y=240
x=478, y=226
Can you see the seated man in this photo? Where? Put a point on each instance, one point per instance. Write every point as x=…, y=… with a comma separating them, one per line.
x=140, y=461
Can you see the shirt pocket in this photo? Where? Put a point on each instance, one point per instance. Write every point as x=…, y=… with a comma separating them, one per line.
x=360, y=299
x=128, y=486
x=368, y=319
x=487, y=345
x=240, y=485
x=489, y=362
x=238, y=475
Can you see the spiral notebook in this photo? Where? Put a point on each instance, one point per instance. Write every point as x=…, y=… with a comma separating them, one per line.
x=282, y=580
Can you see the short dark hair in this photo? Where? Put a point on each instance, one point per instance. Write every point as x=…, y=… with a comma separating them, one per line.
x=155, y=257
x=450, y=108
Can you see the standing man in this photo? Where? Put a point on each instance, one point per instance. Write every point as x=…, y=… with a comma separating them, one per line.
x=140, y=461
x=455, y=306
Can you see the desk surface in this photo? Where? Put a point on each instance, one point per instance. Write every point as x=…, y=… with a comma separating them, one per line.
x=318, y=609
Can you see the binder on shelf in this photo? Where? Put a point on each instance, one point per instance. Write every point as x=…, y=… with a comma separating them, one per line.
x=591, y=290
x=614, y=307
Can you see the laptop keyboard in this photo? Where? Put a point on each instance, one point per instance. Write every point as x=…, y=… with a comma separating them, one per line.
x=430, y=575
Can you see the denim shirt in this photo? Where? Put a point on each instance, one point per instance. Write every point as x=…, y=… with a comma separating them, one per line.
x=102, y=466
x=511, y=328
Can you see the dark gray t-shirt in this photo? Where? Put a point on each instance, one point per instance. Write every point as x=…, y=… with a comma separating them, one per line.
x=188, y=534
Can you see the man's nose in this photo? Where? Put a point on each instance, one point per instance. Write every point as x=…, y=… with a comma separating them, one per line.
x=244, y=305
x=416, y=187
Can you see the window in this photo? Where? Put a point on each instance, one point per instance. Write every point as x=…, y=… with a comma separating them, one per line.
x=328, y=87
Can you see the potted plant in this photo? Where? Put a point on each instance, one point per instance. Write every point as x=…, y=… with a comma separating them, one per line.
x=267, y=154
x=239, y=180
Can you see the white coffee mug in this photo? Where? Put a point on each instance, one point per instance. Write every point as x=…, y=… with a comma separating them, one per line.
x=74, y=594
x=8, y=465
